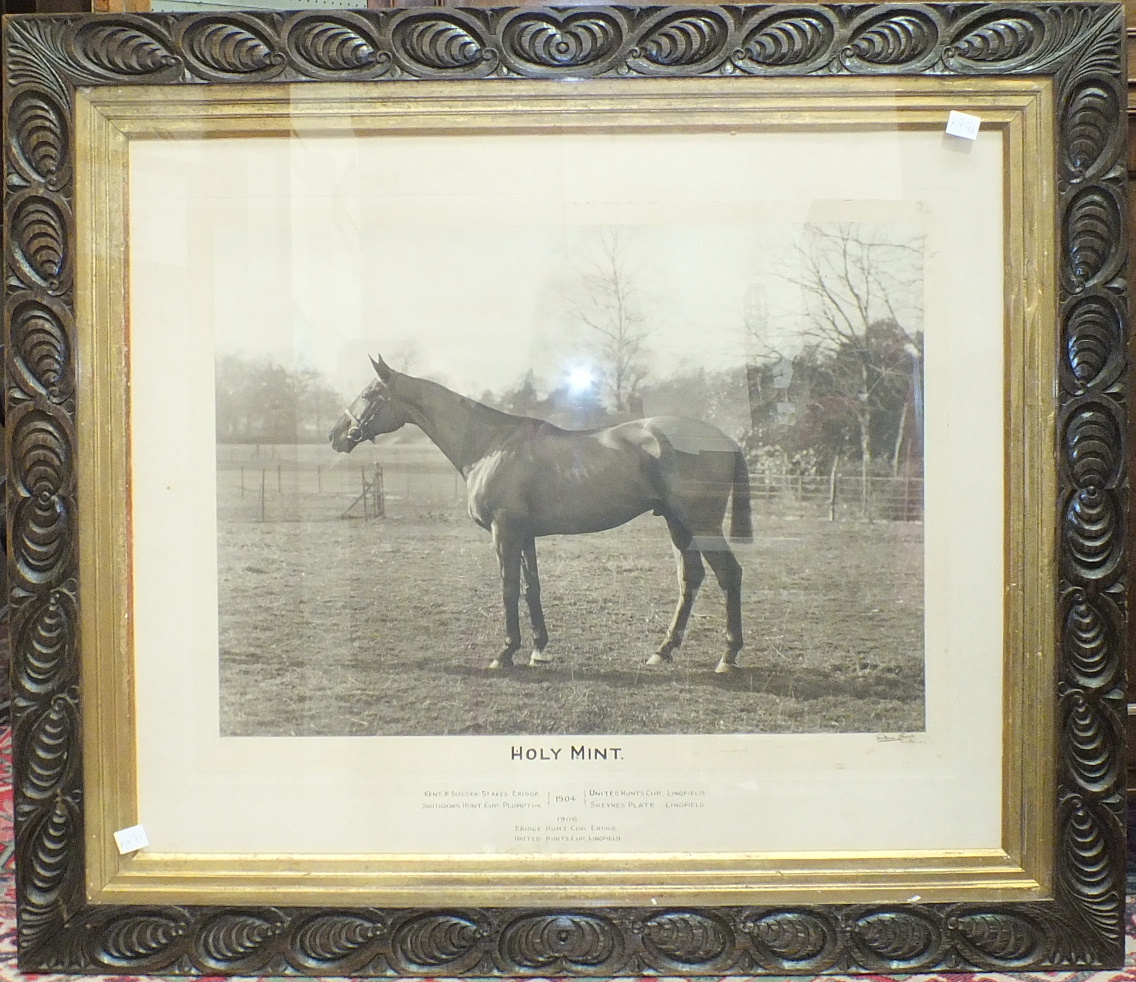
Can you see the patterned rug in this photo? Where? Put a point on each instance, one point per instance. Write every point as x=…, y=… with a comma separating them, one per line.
x=8, y=970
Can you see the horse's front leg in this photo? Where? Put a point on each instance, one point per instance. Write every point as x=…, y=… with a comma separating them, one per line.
x=532, y=598
x=508, y=545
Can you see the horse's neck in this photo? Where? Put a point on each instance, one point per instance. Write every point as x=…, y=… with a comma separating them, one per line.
x=464, y=430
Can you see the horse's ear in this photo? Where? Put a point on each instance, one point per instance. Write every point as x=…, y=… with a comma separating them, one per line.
x=382, y=369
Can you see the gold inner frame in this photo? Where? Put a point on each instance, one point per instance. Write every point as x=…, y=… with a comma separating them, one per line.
x=107, y=119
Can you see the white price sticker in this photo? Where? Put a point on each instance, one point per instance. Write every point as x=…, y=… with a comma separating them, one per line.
x=963, y=124
x=131, y=839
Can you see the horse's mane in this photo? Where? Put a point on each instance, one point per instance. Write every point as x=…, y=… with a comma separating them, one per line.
x=498, y=418
x=513, y=419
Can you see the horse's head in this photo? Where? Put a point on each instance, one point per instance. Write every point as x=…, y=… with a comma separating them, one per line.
x=372, y=413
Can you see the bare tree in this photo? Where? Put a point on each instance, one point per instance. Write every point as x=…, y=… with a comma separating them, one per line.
x=259, y=400
x=405, y=356
x=862, y=286
x=319, y=405
x=607, y=304
x=769, y=365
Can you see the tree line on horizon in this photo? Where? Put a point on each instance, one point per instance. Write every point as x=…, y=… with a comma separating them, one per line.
x=260, y=401
x=848, y=391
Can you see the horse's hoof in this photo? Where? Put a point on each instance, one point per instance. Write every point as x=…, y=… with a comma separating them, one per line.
x=497, y=664
x=538, y=658
x=660, y=658
x=725, y=667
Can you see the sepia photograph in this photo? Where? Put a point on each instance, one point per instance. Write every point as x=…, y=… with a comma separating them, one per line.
x=660, y=475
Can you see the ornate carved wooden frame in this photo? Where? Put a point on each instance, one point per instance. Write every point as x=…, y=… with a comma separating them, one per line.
x=1077, y=45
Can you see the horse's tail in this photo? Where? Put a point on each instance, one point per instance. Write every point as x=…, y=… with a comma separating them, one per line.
x=741, y=524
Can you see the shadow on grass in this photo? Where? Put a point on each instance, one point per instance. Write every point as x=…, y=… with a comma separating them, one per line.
x=785, y=683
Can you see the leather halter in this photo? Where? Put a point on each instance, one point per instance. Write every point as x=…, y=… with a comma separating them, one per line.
x=357, y=431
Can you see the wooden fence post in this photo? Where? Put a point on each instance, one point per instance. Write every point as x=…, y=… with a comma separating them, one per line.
x=832, y=480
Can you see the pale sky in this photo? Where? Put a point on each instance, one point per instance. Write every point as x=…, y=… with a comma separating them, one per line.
x=318, y=252
x=479, y=307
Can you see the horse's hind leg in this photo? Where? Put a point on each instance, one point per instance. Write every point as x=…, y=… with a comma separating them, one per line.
x=532, y=598
x=508, y=545
x=729, y=573
x=690, y=575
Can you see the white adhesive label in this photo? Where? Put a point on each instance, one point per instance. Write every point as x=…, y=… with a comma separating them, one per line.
x=963, y=124
x=131, y=839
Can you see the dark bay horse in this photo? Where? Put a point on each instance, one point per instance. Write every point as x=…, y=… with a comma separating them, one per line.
x=526, y=477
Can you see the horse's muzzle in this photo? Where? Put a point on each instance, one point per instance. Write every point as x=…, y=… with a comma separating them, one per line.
x=344, y=440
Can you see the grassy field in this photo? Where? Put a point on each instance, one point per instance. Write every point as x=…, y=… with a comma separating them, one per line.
x=339, y=626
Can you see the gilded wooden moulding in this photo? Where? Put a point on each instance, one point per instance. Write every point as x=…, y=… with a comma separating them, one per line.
x=1078, y=45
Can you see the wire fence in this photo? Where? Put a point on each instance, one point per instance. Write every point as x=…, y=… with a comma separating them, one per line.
x=841, y=497
x=272, y=485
